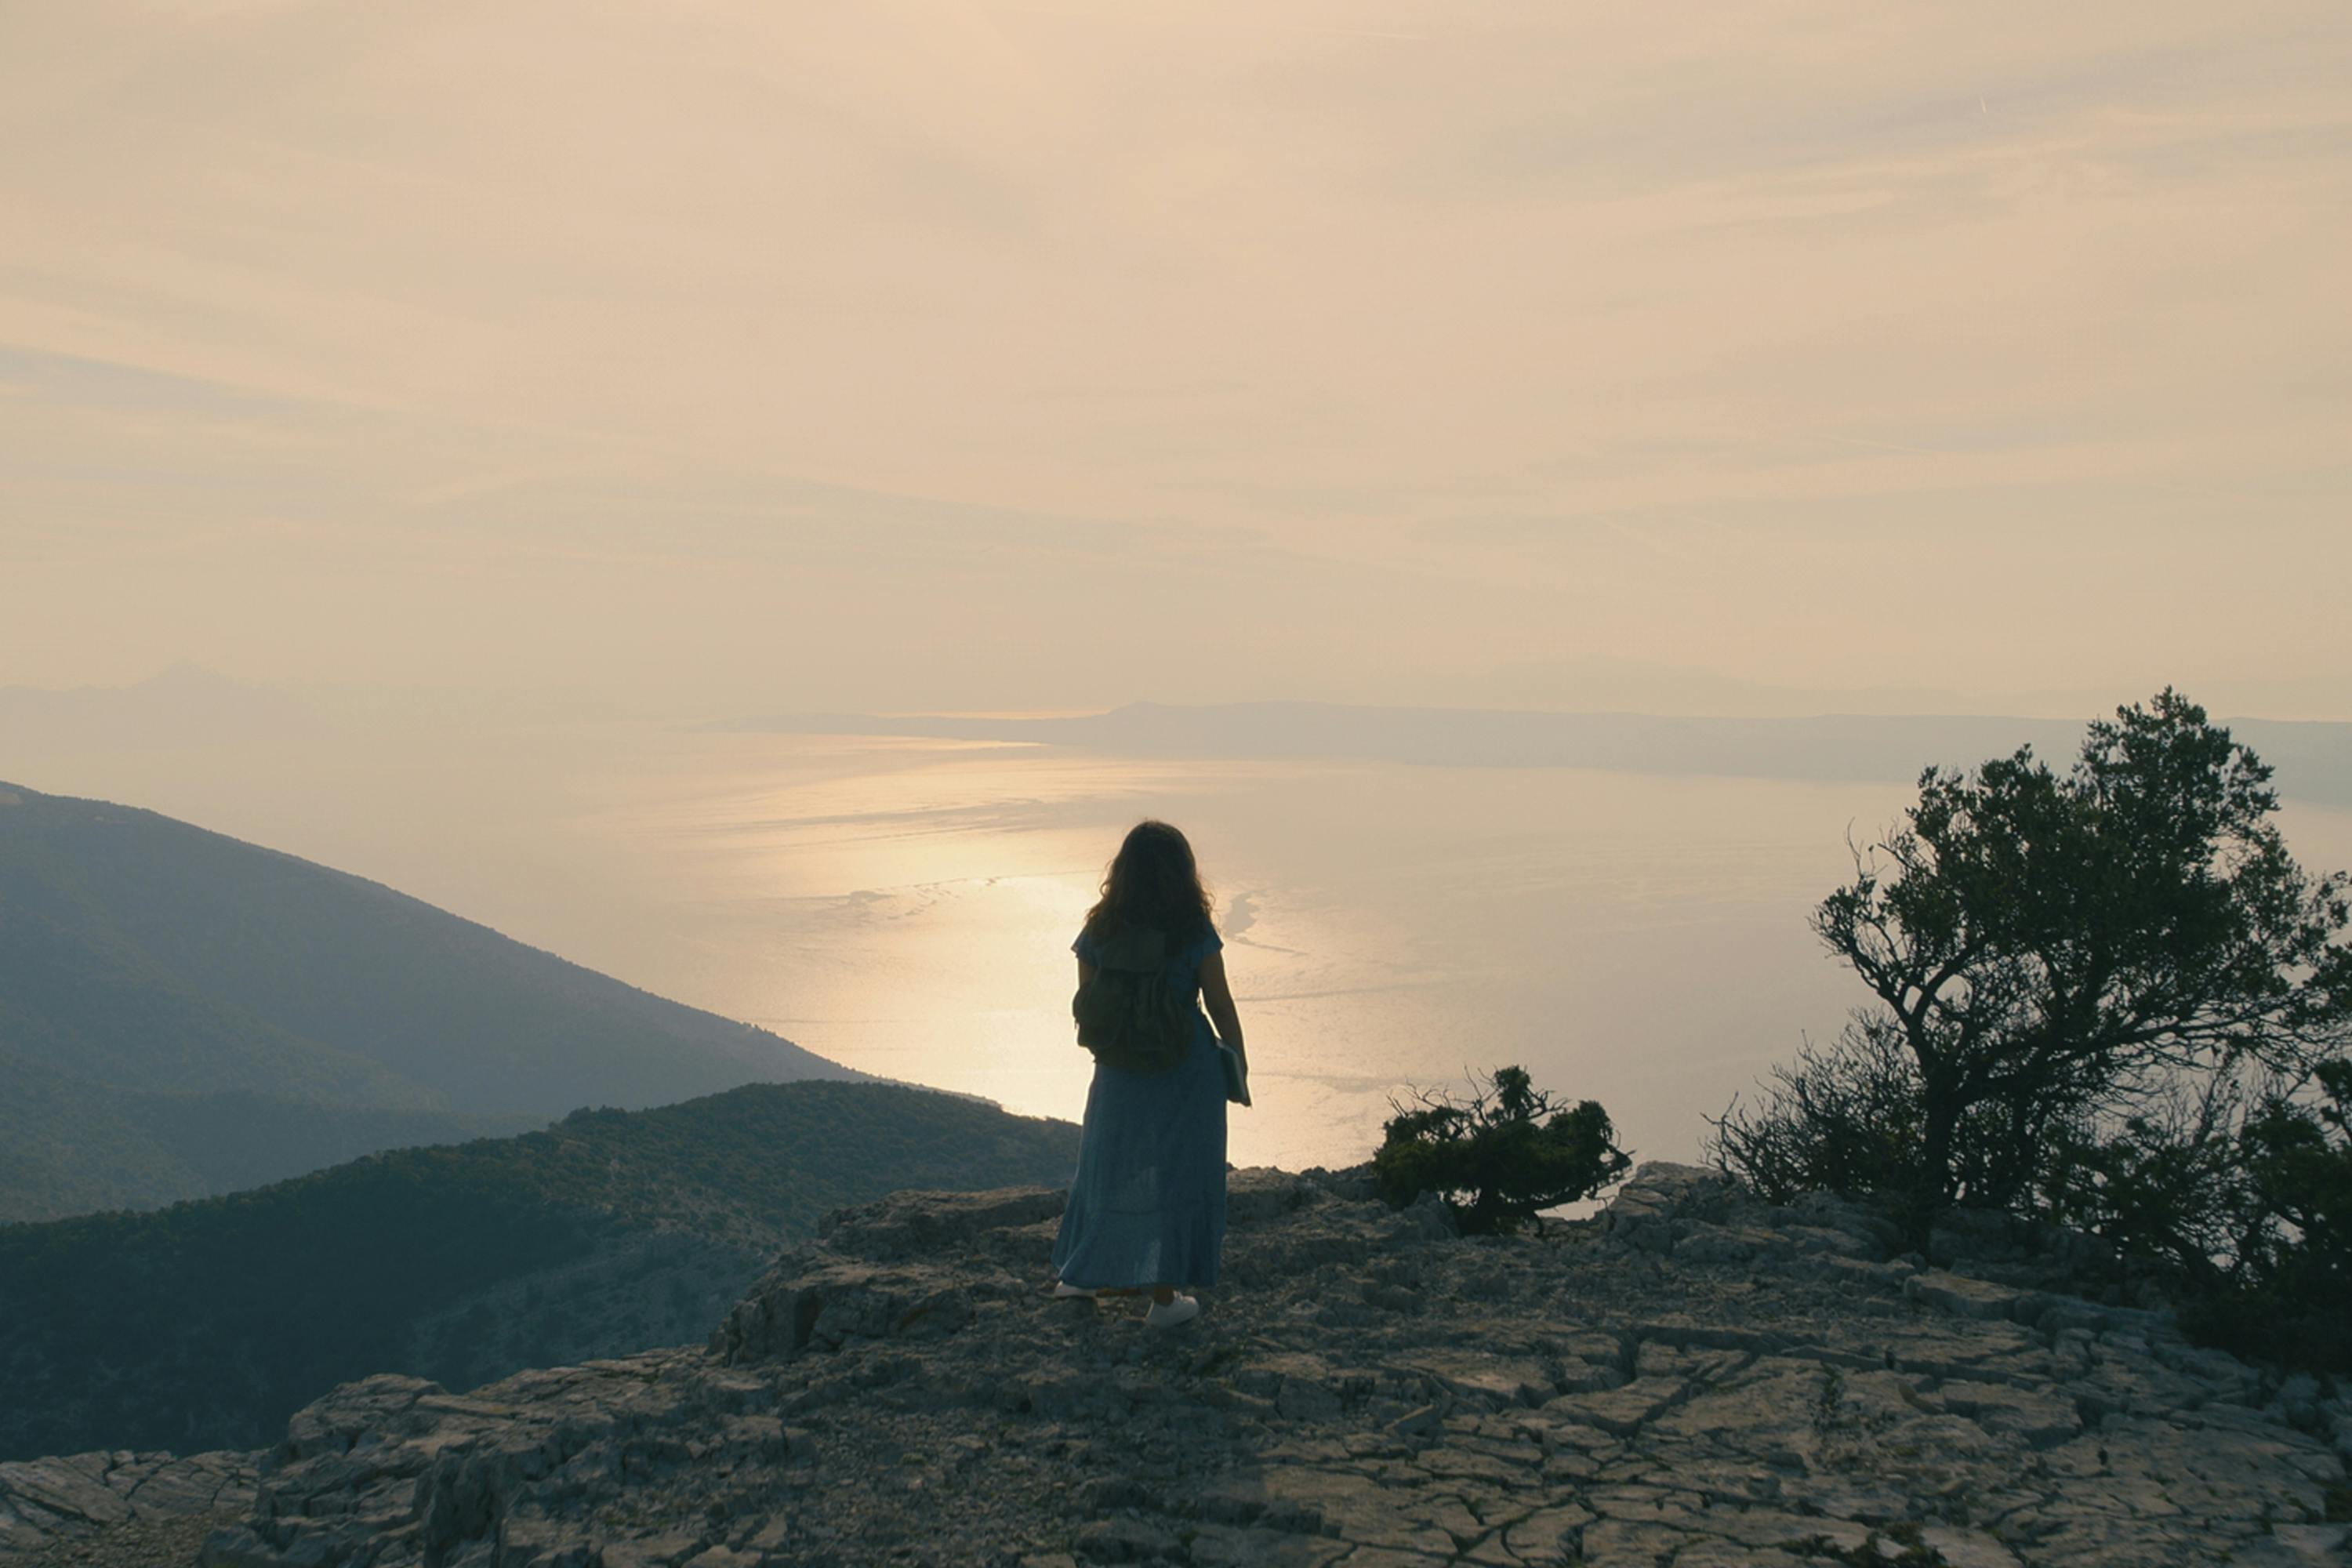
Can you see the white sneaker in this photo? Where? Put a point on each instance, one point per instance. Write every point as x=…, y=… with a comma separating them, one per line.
x=1064, y=1290
x=1168, y=1314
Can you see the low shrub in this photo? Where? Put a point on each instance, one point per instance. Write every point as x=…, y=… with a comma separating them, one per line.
x=2286, y=1292
x=1499, y=1157
x=1840, y=1120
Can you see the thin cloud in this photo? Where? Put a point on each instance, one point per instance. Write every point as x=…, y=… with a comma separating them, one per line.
x=1036, y=356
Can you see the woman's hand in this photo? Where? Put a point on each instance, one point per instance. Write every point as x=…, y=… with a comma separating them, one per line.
x=1217, y=996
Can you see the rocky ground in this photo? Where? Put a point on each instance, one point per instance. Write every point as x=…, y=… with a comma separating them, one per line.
x=1693, y=1379
x=142, y=1507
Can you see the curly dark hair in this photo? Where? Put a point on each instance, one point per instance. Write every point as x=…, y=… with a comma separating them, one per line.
x=1152, y=881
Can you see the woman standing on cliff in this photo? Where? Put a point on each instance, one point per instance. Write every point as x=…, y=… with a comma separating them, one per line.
x=1148, y=1207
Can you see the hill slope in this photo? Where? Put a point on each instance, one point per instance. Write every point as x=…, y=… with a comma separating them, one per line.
x=206, y=1325
x=141, y=956
x=69, y=1146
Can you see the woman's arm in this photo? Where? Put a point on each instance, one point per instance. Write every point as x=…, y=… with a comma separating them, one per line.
x=1218, y=998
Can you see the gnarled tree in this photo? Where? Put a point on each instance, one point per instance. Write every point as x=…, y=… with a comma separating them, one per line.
x=2050, y=955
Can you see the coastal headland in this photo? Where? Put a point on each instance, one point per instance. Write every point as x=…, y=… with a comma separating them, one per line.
x=1691, y=1377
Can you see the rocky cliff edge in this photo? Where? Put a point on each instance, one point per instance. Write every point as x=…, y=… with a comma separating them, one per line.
x=1692, y=1378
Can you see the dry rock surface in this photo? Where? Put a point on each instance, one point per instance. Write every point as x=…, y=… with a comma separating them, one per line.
x=59, y=1511
x=1694, y=1378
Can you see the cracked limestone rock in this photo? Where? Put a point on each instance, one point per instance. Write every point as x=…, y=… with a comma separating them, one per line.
x=47, y=1504
x=1693, y=1379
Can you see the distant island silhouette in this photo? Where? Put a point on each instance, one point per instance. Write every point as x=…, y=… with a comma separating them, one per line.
x=2314, y=759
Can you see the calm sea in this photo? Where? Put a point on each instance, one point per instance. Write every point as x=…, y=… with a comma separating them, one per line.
x=906, y=906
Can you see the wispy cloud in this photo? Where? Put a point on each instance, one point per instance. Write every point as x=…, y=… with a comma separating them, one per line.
x=1063, y=352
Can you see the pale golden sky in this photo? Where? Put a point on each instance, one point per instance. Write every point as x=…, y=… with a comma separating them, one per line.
x=1014, y=355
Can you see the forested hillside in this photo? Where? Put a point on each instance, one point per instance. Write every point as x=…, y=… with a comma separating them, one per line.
x=206, y=1324
x=69, y=1146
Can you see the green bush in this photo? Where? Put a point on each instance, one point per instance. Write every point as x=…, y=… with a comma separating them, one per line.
x=1840, y=1120
x=1502, y=1156
x=2104, y=998
x=2052, y=953
x=2286, y=1291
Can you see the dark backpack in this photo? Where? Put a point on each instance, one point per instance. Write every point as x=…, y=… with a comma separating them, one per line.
x=1128, y=1014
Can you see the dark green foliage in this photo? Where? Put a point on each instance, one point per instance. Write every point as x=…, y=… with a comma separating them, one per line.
x=2052, y=954
x=2285, y=1293
x=1505, y=1154
x=206, y=1324
x=2107, y=999
x=1844, y=1121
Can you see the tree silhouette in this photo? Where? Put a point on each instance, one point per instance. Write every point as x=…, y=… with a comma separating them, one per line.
x=2052, y=955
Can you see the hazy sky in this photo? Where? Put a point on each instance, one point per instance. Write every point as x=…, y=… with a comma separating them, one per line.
x=1018, y=355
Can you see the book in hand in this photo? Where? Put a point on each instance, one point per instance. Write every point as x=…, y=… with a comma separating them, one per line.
x=1236, y=1074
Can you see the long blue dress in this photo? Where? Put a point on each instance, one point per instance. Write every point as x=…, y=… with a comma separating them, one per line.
x=1148, y=1205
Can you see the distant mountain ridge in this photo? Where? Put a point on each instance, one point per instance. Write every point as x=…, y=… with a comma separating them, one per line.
x=183, y=704
x=208, y=1323
x=2314, y=759
x=146, y=964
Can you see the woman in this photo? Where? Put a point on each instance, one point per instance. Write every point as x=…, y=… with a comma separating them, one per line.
x=1148, y=1207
